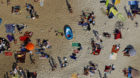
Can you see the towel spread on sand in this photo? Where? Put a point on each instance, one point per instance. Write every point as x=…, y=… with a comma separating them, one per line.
x=10, y=28
x=113, y=56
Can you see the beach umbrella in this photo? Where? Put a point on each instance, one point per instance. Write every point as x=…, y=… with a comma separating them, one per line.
x=30, y=46
x=132, y=52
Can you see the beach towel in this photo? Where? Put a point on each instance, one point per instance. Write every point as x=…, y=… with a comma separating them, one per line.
x=120, y=17
x=115, y=49
x=76, y=44
x=117, y=35
x=113, y=56
x=8, y=53
x=23, y=38
x=10, y=28
x=10, y=38
x=41, y=3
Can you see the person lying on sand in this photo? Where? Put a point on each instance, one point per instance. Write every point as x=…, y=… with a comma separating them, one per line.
x=109, y=68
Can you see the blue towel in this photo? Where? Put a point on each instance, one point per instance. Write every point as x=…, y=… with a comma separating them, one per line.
x=10, y=38
x=10, y=28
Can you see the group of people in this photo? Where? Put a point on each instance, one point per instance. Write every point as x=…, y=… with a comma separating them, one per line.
x=4, y=45
x=31, y=10
x=18, y=72
x=87, y=19
x=90, y=69
x=96, y=48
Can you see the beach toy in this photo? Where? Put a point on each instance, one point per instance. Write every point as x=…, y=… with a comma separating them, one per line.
x=0, y=21
x=68, y=32
x=30, y=46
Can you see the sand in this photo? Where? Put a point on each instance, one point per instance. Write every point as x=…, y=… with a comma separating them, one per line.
x=54, y=14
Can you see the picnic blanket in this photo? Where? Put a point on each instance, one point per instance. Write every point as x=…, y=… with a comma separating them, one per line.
x=10, y=28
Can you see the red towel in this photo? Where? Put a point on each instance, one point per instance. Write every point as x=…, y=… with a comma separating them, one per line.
x=8, y=53
x=23, y=38
x=97, y=52
x=118, y=35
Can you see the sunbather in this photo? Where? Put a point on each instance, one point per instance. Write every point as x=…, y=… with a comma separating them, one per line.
x=106, y=34
x=86, y=71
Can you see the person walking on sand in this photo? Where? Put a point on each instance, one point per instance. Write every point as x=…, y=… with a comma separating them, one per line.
x=69, y=6
x=8, y=2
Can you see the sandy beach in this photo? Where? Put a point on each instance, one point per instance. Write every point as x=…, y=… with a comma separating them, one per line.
x=53, y=16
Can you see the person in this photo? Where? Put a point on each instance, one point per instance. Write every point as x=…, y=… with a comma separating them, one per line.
x=86, y=71
x=20, y=27
x=73, y=56
x=106, y=34
x=97, y=49
x=107, y=69
x=88, y=27
x=127, y=73
x=136, y=24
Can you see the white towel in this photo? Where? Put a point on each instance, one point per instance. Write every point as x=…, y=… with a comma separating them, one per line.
x=113, y=56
